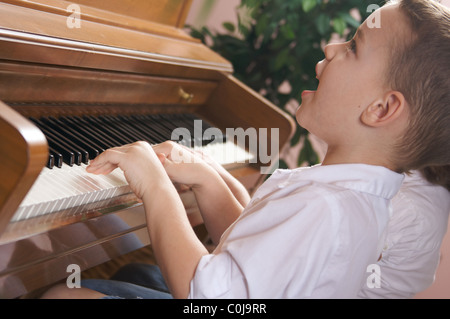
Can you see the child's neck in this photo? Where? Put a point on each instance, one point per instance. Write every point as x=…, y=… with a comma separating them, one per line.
x=342, y=155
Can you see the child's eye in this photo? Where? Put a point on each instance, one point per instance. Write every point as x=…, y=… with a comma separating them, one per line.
x=352, y=46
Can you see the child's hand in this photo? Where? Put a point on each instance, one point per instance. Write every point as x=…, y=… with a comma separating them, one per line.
x=141, y=166
x=184, y=165
x=220, y=197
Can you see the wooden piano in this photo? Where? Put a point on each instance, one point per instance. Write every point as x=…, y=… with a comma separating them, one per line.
x=116, y=60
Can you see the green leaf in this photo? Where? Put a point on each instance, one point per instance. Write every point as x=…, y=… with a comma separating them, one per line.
x=339, y=25
x=350, y=20
x=295, y=139
x=281, y=59
x=287, y=32
x=206, y=31
x=299, y=132
x=261, y=25
x=308, y=5
x=307, y=154
x=323, y=24
x=198, y=35
x=282, y=164
x=279, y=43
x=250, y=3
x=229, y=26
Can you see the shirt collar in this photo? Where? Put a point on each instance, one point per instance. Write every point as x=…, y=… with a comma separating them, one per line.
x=376, y=180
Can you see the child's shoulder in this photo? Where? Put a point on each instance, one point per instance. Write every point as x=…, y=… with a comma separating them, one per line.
x=335, y=189
x=355, y=177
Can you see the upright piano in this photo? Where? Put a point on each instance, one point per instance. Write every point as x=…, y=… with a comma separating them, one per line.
x=77, y=77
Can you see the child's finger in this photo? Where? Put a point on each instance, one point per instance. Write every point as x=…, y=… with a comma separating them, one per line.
x=163, y=148
x=107, y=161
x=162, y=157
x=168, y=165
x=101, y=169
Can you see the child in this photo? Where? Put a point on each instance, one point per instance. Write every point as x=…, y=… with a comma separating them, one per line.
x=382, y=107
x=409, y=259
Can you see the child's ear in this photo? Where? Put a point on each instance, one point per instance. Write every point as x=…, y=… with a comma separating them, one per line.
x=384, y=110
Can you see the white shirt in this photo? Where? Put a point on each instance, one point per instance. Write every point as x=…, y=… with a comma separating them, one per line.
x=415, y=233
x=306, y=233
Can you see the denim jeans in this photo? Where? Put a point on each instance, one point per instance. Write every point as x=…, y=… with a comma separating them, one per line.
x=134, y=281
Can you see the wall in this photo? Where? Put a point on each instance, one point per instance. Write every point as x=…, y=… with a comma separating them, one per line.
x=220, y=11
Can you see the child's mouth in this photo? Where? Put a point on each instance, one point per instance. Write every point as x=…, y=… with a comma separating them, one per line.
x=307, y=92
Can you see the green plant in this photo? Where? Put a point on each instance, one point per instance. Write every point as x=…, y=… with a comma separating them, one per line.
x=277, y=43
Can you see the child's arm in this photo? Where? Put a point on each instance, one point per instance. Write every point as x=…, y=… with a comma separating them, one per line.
x=174, y=242
x=236, y=187
x=220, y=197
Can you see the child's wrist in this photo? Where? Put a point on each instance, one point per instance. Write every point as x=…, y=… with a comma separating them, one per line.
x=208, y=177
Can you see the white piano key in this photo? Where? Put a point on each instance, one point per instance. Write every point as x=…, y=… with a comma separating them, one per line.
x=227, y=153
x=59, y=189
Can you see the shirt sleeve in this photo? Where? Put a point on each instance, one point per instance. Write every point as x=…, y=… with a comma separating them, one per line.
x=412, y=248
x=217, y=276
x=406, y=266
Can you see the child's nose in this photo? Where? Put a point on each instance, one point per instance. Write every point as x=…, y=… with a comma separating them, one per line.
x=330, y=51
x=319, y=68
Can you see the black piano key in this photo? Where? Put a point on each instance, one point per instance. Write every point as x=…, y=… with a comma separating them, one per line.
x=70, y=152
x=76, y=124
x=79, y=138
x=93, y=149
x=50, y=161
x=128, y=129
x=190, y=118
x=98, y=129
x=154, y=123
x=67, y=155
x=196, y=130
x=198, y=127
x=146, y=129
x=176, y=121
x=126, y=125
x=164, y=122
x=81, y=155
x=57, y=156
x=143, y=126
x=152, y=130
x=116, y=129
x=170, y=121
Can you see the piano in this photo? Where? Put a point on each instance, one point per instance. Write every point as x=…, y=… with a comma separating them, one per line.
x=79, y=77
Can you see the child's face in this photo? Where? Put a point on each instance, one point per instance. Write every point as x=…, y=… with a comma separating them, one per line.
x=351, y=77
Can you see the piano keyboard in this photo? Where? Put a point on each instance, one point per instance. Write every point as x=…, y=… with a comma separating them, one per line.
x=64, y=183
x=75, y=140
